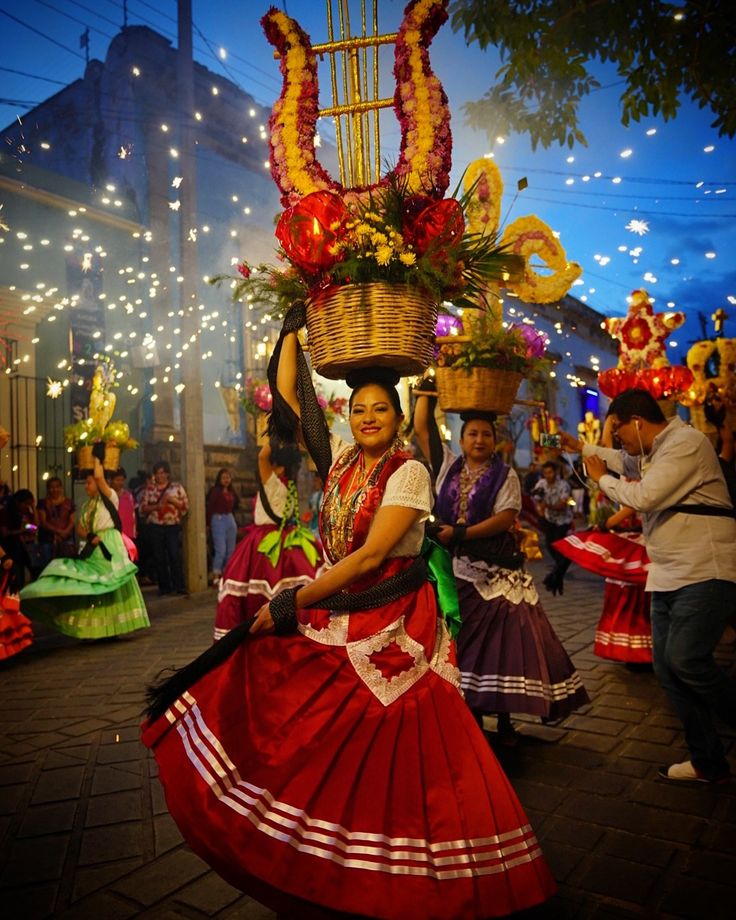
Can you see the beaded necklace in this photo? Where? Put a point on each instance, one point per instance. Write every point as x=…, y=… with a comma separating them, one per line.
x=468, y=479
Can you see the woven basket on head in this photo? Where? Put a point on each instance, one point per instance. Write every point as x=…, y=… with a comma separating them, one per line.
x=85, y=458
x=364, y=325
x=481, y=388
x=112, y=457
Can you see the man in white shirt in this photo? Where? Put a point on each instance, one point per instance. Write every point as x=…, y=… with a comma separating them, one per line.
x=670, y=474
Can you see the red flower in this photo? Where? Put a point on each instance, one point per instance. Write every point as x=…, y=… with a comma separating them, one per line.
x=440, y=225
x=308, y=230
x=244, y=269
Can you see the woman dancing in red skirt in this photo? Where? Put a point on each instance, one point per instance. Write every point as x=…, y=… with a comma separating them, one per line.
x=276, y=553
x=323, y=758
x=624, y=632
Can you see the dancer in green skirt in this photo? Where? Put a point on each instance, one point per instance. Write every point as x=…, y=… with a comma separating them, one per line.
x=95, y=596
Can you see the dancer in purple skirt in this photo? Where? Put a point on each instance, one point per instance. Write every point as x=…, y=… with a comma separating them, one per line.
x=509, y=656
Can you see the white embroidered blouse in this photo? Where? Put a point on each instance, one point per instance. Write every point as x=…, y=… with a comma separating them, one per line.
x=408, y=487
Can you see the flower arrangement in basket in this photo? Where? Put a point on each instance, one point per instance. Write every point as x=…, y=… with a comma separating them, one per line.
x=482, y=367
x=358, y=265
x=99, y=427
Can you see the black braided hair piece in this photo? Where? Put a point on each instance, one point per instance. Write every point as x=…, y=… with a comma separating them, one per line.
x=283, y=422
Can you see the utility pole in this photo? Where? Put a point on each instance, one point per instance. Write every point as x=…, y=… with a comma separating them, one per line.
x=192, y=432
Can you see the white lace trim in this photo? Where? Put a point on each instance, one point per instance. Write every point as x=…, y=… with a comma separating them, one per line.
x=259, y=586
x=335, y=633
x=386, y=690
x=491, y=581
x=440, y=662
x=409, y=487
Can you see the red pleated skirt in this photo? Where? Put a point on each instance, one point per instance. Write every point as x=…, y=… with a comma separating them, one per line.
x=249, y=580
x=612, y=555
x=624, y=632
x=292, y=779
x=16, y=632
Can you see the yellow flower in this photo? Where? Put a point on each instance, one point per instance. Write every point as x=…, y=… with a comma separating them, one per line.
x=380, y=239
x=384, y=255
x=407, y=258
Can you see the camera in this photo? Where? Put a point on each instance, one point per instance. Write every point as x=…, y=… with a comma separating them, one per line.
x=550, y=440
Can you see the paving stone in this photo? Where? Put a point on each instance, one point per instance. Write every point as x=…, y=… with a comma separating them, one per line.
x=14, y=773
x=48, y=819
x=209, y=894
x=617, y=714
x=10, y=796
x=29, y=903
x=596, y=725
x=698, y=902
x=575, y=833
x=633, y=768
x=601, y=743
x=688, y=799
x=637, y=849
x=653, y=753
x=652, y=734
x=34, y=860
x=92, y=878
x=37, y=742
x=619, y=878
x=711, y=866
x=117, y=753
x=120, y=734
x=720, y=837
x=111, y=779
x=248, y=909
x=109, y=843
x=103, y=905
x=636, y=819
x=56, y=785
x=86, y=727
x=563, y=860
x=166, y=834
x=539, y=797
x=618, y=701
x=113, y=808
x=162, y=877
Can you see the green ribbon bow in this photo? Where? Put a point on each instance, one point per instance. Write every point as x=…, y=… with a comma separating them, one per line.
x=442, y=578
x=272, y=544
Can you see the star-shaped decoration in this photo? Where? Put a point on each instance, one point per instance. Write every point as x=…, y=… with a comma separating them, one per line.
x=642, y=333
x=54, y=388
x=638, y=226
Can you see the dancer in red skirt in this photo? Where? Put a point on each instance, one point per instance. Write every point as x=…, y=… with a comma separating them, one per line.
x=510, y=657
x=624, y=632
x=327, y=755
x=16, y=632
x=255, y=573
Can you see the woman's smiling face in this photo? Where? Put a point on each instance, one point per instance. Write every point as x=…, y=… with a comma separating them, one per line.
x=374, y=421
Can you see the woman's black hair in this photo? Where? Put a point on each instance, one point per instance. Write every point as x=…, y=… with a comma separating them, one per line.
x=287, y=455
x=472, y=416
x=218, y=478
x=162, y=465
x=384, y=377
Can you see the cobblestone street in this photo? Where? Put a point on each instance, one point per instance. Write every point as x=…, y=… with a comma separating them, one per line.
x=86, y=833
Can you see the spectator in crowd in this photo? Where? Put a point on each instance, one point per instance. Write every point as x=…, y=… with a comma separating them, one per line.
x=221, y=503
x=556, y=510
x=163, y=507
x=533, y=475
x=18, y=530
x=126, y=510
x=146, y=561
x=56, y=522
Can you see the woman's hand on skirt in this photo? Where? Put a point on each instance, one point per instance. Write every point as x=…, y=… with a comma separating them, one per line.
x=263, y=621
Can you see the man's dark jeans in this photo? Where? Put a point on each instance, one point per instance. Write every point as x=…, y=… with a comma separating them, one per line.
x=166, y=544
x=686, y=627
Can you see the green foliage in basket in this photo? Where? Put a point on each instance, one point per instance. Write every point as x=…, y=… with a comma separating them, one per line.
x=82, y=433
x=117, y=433
x=389, y=236
x=520, y=348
